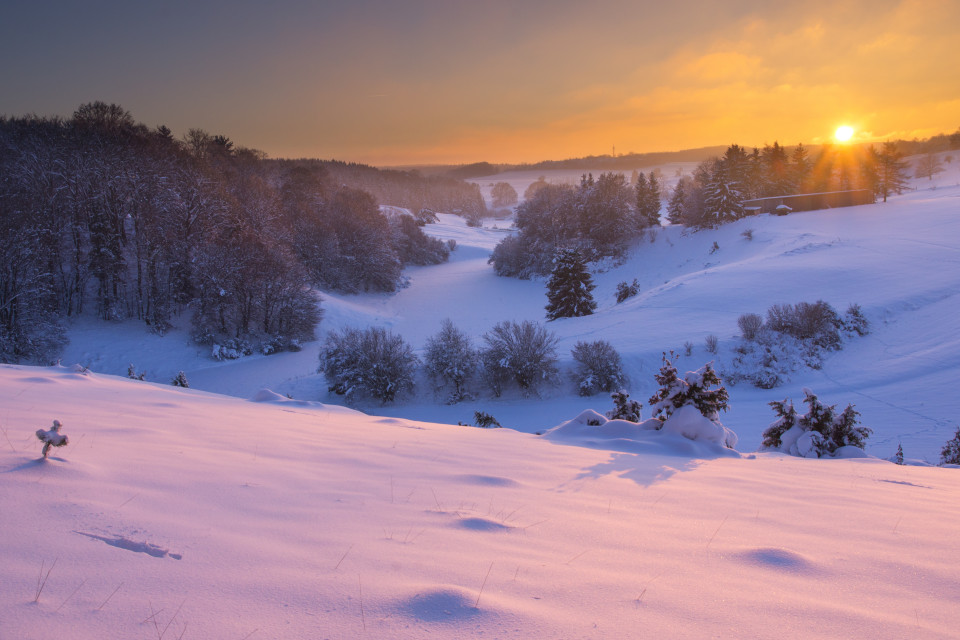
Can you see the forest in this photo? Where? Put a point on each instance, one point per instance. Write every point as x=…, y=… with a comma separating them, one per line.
x=100, y=214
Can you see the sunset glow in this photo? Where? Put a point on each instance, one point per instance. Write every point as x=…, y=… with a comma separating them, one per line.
x=455, y=82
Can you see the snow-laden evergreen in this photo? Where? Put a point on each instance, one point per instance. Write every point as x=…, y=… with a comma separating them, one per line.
x=570, y=287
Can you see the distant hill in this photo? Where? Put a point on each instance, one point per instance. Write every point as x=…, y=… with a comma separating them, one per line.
x=627, y=161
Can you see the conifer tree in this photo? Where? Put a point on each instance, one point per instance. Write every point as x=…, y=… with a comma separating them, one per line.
x=950, y=454
x=648, y=200
x=675, y=208
x=723, y=199
x=570, y=286
x=899, y=457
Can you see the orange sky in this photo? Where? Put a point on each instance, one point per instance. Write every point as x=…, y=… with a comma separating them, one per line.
x=502, y=81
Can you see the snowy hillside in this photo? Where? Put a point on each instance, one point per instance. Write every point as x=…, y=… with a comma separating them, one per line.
x=176, y=513
x=899, y=260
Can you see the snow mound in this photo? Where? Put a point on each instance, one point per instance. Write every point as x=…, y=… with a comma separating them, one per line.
x=688, y=422
x=681, y=435
x=441, y=604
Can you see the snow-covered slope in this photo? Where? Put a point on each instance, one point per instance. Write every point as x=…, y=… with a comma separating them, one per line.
x=177, y=513
x=899, y=260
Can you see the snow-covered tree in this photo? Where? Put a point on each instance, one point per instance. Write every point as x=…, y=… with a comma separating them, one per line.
x=647, y=200
x=599, y=367
x=525, y=353
x=701, y=388
x=52, y=438
x=723, y=200
x=626, y=291
x=821, y=431
x=569, y=290
x=898, y=457
x=451, y=360
x=950, y=454
x=370, y=362
x=624, y=408
x=675, y=207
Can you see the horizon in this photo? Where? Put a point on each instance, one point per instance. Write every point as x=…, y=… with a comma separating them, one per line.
x=449, y=83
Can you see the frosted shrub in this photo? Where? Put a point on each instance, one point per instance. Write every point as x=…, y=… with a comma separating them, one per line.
x=450, y=361
x=816, y=322
x=370, y=362
x=820, y=432
x=950, y=454
x=524, y=353
x=750, y=324
x=598, y=368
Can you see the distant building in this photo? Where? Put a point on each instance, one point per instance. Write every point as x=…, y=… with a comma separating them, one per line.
x=810, y=201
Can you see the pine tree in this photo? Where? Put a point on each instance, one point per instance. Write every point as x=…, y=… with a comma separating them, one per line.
x=786, y=419
x=899, y=457
x=648, y=200
x=723, y=199
x=570, y=286
x=701, y=388
x=675, y=206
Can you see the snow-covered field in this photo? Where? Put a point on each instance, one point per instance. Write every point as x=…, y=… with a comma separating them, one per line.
x=180, y=513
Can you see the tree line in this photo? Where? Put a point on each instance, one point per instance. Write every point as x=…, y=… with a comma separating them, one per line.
x=100, y=214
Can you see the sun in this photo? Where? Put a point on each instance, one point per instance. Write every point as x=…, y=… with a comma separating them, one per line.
x=843, y=134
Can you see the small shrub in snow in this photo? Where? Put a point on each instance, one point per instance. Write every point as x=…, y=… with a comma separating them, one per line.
x=750, y=324
x=711, y=342
x=52, y=438
x=180, y=380
x=855, y=322
x=370, y=362
x=624, y=408
x=450, y=361
x=133, y=375
x=950, y=454
x=748, y=234
x=821, y=431
x=701, y=388
x=524, y=353
x=688, y=348
x=485, y=420
x=626, y=291
x=599, y=367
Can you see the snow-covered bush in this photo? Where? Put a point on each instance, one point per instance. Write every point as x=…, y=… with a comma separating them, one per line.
x=815, y=322
x=821, y=431
x=624, y=408
x=133, y=375
x=950, y=454
x=701, y=388
x=369, y=362
x=711, y=342
x=180, y=380
x=626, y=291
x=598, y=368
x=450, y=361
x=691, y=406
x=524, y=353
